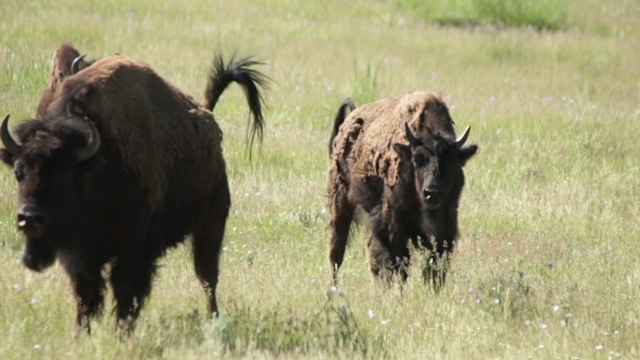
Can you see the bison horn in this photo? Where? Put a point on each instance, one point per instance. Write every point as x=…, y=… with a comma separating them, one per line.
x=75, y=63
x=11, y=145
x=407, y=132
x=462, y=139
x=92, y=146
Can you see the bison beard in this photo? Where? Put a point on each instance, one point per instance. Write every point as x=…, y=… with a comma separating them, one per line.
x=118, y=167
x=399, y=160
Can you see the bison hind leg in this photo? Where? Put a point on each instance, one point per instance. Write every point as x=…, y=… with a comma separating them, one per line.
x=207, y=244
x=340, y=226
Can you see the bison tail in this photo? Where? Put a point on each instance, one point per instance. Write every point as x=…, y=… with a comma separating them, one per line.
x=340, y=117
x=250, y=80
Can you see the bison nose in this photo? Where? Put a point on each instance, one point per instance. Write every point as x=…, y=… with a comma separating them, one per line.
x=432, y=198
x=31, y=222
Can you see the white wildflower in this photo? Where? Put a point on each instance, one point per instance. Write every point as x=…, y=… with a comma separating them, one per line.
x=371, y=314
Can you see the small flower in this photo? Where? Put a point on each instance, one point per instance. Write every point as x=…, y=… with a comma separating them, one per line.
x=34, y=301
x=496, y=301
x=16, y=287
x=384, y=322
x=555, y=308
x=599, y=347
x=543, y=326
x=371, y=314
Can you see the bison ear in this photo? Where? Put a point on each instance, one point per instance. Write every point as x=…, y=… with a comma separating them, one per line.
x=6, y=157
x=467, y=153
x=66, y=61
x=404, y=151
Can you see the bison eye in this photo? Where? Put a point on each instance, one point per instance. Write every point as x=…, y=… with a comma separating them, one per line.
x=19, y=172
x=420, y=160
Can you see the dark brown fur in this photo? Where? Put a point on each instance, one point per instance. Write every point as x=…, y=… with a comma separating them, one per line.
x=410, y=191
x=158, y=176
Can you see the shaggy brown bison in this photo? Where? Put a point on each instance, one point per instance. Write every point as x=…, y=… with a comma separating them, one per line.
x=119, y=166
x=399, y=160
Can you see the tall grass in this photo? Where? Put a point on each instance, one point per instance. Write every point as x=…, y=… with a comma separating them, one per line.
x=546, y=265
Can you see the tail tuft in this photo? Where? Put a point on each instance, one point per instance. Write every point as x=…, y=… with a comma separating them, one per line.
x=249, y=79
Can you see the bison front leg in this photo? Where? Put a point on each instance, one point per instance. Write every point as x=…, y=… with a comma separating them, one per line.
x=388, y=260
x=438, y=264
x=89, y=292
x=131, y=281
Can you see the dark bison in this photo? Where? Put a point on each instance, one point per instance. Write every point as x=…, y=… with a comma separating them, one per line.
x=119, y=166
x=399, y=160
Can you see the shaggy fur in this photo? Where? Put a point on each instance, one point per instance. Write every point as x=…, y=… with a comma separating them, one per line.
x=374, y=168
x=158, y=176
x=367, y=135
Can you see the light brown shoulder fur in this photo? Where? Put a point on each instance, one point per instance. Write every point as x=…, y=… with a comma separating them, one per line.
x=366, y=137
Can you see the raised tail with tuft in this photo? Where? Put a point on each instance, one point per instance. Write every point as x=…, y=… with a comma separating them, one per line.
x=249, y=79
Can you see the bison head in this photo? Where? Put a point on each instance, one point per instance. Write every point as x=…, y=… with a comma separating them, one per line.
x=436, y=165
x=45, y=162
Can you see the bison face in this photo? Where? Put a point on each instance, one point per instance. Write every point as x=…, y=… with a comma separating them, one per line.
x=45, y=165
x=436, y=166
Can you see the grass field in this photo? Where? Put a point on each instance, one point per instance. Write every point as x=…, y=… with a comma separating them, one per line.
x=547, y=265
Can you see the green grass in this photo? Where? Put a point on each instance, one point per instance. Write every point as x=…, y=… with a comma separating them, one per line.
x=546, y=266
x=539, y=15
